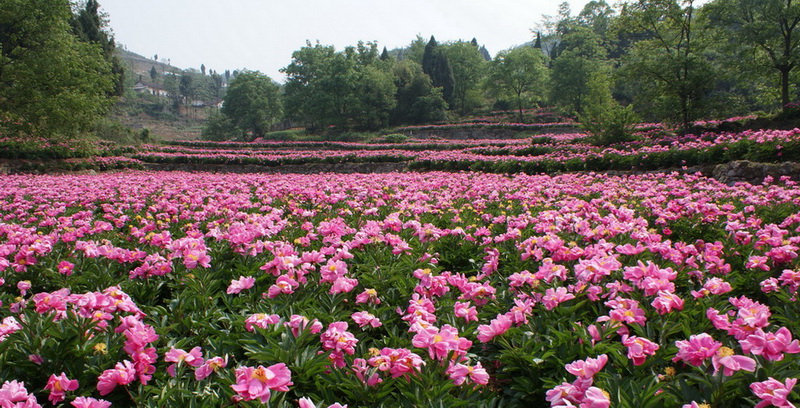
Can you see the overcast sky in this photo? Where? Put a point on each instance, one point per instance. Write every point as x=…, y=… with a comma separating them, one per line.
x=262, y=34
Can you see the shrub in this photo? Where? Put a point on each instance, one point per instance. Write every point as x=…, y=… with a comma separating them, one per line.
x=615, y=124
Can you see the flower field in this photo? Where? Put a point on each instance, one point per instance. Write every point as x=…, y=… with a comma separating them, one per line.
x=155, y=289
x=540, y=154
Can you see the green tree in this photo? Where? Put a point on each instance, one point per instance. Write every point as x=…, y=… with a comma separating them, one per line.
x=153, y=73
x=581, y=76
x=417, y=100
x=668, y=71
x=437, y=66
x=769, y=27
x=348, y=89
x=520, y=73
x=468, y=68
x=90, y=26
x=253, y=103
x=51, y=83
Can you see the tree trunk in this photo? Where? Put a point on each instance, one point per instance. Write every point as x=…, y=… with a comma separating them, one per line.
x=784, y=86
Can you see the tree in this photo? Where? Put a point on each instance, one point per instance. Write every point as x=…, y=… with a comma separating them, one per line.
x=769, y=27
x=89, y=25
x=437, y=66
x=468, y=67
x=581, y=76
x=153, y=73
x=203, y=68
x=521, y=73
x=253, y=103
x=668, y=70
x=51, y=84
x=384, y=54
x=417, y=100
x=346, y=89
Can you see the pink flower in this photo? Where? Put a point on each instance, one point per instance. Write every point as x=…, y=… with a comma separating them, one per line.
x=14, y=392
x=193, y=358
x=553, y=298
x=364, y=318
x=57, y=386
x=666, y=302
x=243, y=283
x=305, y=403
x=774, y=392
x=65, y=268
x=284, y=284
x=122, y=374
x=398, y=362
x=86, y=402
x=771, y=346
x=256, y=383
x=440, y=342
x=730, y=362
x=587, y=368
x=466, y=311
x=261, y=320
x=298, y=323
x=210, y=366
x=595, y=398
x=459, y=373
x=496, y=327
x=368, y=296
x=697, y=349
x=639, y=348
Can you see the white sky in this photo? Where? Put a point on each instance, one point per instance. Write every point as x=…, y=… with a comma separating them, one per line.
x=261, y=35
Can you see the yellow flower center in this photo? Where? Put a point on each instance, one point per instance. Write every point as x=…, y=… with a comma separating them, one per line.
x=725, y=352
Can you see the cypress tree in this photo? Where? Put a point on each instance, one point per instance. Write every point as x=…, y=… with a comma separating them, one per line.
x=429, y=57
x=384, y=54
x=538, y=43
x=87, y=25
x=153, y=73
x=443, y=77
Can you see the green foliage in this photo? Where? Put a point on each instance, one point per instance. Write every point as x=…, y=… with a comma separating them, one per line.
x=89, y=26
x=469, y=69
x=351, y=89
x=615, y=124
x=54, y=85
x=417, y=100
x=220, y=127
x=581, y=78
x=520, y=74
x=253, y=103
x=668, y=68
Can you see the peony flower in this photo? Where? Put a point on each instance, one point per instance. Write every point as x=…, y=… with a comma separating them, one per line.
x=639, y=348
x=86, y=402
x=256, y=383
x=122, y=374
x=697, y=349
x=58, y=385
x=194, y=358
x=210, y=366
x=243, y=283
x=496, y=327
x=730, y=362
x=774, y=392
x=587, y=368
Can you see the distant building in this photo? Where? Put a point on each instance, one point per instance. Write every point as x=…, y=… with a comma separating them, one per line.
x=152, y=89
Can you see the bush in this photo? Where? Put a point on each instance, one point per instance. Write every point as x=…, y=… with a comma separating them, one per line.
x=616, y=124
x=219, y=128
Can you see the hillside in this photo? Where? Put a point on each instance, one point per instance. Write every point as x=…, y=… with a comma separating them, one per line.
x=140, y=65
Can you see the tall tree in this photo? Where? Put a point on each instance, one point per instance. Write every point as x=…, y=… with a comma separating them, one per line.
x=581, y=77
x=437, y=66
x=669, y=70
x=417, y=100
x=346, y=89
x=90, y=26
x=51, y=83
x=253, y=103
x=203, y=68
x=770, y=27
x=520, y=73
x=468, y=68
x=153, y=73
